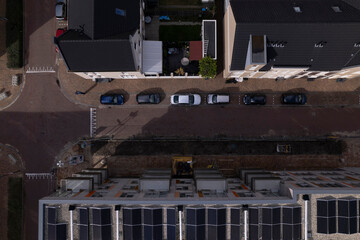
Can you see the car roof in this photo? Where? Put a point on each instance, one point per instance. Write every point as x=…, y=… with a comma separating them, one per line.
x=183, y=98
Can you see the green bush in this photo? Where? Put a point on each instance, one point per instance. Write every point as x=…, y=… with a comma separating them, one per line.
x=15, y=207
x=14, y=36
x=207, y=67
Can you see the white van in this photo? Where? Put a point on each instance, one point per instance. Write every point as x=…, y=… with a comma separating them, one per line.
x=218, y=98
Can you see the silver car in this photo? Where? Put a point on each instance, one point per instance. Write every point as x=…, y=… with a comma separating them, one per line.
x=218, y=98
x=185, y=99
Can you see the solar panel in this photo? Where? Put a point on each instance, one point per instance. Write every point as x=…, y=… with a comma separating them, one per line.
x=253, y=223
x=253, y=216
x=83, y=216
x=235, y=216
x=132, y=223
x=101, y=216
x=195, y=223
x=235, y=223
x=216, y=232
x=326, y=215
x=132, y=232
x=153, y=220
x=51, y=216
x=83, y=232
x=171, y=232
x=153, y=216
x=101, y=232
x=57, y=231
x=253, y=232
x=291, y=222
x=347, y=212
x=153, y=233
x=132, y=216
x=171, y=216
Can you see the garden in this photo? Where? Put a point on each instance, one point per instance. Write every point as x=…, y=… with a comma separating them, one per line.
x=179, y=26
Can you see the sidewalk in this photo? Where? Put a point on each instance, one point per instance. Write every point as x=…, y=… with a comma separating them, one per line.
x=71, y=82
x=13, y=92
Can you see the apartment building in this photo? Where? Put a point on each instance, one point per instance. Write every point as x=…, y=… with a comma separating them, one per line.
x=283, y=39
x=257, y=204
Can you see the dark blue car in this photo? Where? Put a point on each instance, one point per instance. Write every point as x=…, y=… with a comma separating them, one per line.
x=112, y=99
x=293, y=98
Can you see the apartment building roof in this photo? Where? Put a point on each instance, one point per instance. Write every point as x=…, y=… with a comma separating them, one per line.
x=98, y=35
x=322, y=35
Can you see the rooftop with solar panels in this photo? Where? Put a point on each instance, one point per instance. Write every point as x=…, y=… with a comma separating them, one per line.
x=258, y=204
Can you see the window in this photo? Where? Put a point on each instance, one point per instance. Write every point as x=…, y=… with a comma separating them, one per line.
x=297, y=9
x=336, y=9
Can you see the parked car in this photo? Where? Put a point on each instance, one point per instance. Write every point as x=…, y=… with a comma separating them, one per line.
x=293, y=98
x=60, y=10
x=254, y=99
x=59, y=32
x=218, y=98
x=153, y=98
x=112, y=99
x=185, y=99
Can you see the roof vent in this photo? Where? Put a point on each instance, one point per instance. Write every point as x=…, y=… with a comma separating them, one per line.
x=120, y=12
x=336, y=9
x=297, y=9
x=320, y=44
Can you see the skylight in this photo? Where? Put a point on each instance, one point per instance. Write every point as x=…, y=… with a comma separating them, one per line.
x=297, y=9
x=336, y=9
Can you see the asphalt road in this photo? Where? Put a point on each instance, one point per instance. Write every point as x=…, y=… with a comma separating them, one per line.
x=39, y=124
x=230, y=121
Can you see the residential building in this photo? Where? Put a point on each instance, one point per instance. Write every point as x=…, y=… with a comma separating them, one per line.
x=257, y=204
x=282, y=39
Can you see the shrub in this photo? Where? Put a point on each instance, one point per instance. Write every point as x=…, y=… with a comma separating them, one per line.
x=207, y=67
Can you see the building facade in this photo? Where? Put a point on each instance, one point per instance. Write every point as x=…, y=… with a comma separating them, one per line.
x=257, y=204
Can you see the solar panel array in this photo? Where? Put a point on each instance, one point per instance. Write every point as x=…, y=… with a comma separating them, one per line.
x=153, y=220
x=101, y=223
x=56, y=231
x=132, y=220
x=347, y=215
x=326, y=215
x=83, y=224
x=270, y=223
x=195, y=223
x=291, y=222
x=235, y=223
x=171, y=223
x=253, y=223
x=216, y=223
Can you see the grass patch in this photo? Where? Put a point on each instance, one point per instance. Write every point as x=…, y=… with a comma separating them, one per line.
x=14, y=220
x=176, y=33
x=14, y=35
x=180, y=2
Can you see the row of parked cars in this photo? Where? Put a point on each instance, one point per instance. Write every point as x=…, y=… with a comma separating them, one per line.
x=190, y=99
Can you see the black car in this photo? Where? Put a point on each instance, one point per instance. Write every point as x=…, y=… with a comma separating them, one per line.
x=254, y=99
x=153, y=98
x=293, y=98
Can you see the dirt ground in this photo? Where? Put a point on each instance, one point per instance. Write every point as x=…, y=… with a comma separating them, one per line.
x=134, y=164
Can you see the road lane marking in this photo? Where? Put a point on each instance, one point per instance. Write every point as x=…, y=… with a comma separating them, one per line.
x=40, y=70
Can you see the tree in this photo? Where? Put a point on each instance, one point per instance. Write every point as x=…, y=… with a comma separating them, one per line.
x=207, y=67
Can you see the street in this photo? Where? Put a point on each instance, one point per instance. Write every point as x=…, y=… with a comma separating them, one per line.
x=227, y=121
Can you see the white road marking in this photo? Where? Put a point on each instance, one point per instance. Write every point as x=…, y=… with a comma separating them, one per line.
x=40, y=70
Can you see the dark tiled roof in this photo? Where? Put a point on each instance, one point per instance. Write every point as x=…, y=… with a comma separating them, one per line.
x=98, y=38
x=298, y=35
x=209, y=34
x=88, y=55
x=98, y=18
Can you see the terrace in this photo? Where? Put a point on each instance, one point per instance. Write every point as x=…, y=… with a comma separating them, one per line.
x=178, y=25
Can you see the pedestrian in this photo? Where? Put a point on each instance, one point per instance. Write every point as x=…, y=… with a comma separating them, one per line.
x=79, y=92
